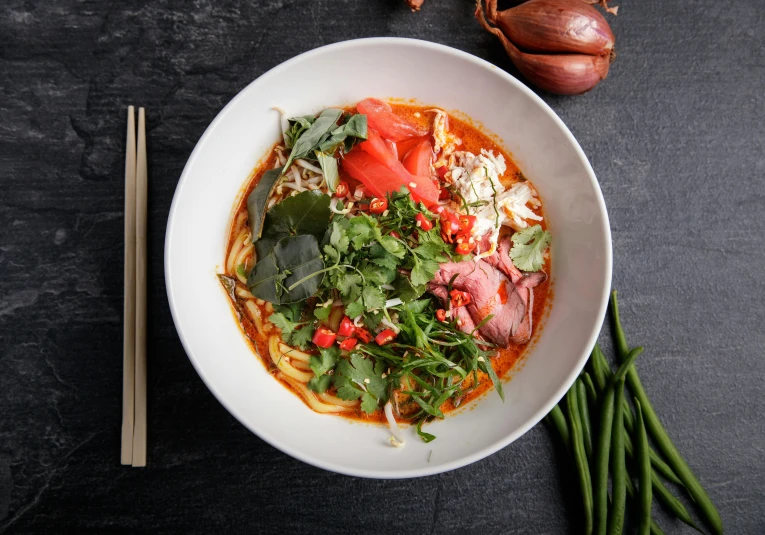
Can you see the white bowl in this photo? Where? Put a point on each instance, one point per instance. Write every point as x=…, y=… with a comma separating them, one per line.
x=341, y=74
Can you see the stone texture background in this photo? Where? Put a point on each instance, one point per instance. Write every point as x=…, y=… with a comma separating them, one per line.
x=676, y=135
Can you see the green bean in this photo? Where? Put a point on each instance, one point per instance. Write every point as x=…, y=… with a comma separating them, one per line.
x=558, y=420
x=580, y=458
x=657, y=462
x=655, y=529
x=602, y=452
x=618, y=467
x=599, y=366
x=592, y=394
x=644, y=474
x=584, y=413
x=660, y=437
x=626, y=366
x=669, y=501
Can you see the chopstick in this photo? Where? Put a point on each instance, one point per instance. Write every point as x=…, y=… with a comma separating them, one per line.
x=134, y=306
x=128, y=331
x=141, y=186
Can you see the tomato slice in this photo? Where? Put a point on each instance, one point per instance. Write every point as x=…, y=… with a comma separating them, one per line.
x=408, y=144
x=421, y=187
x=417, y=160
x=375, y=177
x=380, y=116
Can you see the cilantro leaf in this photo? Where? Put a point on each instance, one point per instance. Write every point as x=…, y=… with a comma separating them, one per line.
x=301, y=337
x=378, y=275
x=354, y=309
x=333, y=257
x=363, y=230
x=322, y=313
x=392, y=245
x=320, y=384
x=285, y=325
x=382, y=258
x=423, y=272
x=325, y=361
x=529, y=246
x=348, y=282
x=373, y=298
x=368, y=403
x=339, y=238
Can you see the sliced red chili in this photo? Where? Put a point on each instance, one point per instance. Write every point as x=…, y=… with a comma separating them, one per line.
x=362, y=334
x=395, y=234
x=323, y=337
x=465, y=247
x=441, y=314
x=385, y=337
x=441, y=171
x=467, y=222
x=459, y=298
x=423, y=222
x=346, y=327
x=341, y=190
x=450, y=225
x=348, y=344
x=378, y=205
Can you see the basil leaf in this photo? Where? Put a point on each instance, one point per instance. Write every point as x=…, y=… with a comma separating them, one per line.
x=356, y=126
x=315, y=134
x=258, y=200
x=305, y=213
x=293, y=259
x=298, y=125
x=328, y=165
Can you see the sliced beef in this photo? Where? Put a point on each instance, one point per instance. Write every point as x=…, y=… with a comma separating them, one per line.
x=464, y=319
x=496, y=287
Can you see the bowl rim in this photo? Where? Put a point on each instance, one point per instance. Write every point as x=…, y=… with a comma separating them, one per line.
x=478, y=454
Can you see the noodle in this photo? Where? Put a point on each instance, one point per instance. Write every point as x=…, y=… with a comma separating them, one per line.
x=235, y=248
x=312, y=401
x=285, y=367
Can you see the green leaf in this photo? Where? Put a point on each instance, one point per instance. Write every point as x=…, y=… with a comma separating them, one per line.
x=361, y=371
x=292, y=311
x=378, y=275
x=305, y=213
x=325, y=361
x=432, y=251
x=346, y=390
x=328, y=165
x=298, y=125
x=529, y=246
x=319, y=384
x=310, y=138
x=357, y=126
x=423, y=272
x=333, y=257
x=322, y=313
x=362, y=230
x=404, y=289
x=383, y=258
x=301, y=337
x=229, y=284
x=339, y=237
x=354, y=309
x=426, y=437
x=293, y=260
x=374, y=299
x=368, y=403
x=487, y=366
x=419, y=306
x=284, y=325
x=347, y=282
x=392, y=245
x=257, y=201
x=373, y=319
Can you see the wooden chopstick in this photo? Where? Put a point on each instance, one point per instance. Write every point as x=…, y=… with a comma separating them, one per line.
x=139, y=431
x=128, y=344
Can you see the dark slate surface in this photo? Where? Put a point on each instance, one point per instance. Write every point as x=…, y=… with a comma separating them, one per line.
x=675, y=135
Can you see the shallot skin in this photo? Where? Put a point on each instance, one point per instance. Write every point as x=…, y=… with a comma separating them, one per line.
x=556, y=26
x=561, y=46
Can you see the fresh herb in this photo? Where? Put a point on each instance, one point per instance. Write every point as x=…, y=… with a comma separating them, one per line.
x=258, y=200
x=358, y=378
x=305, y=213
x=290, y=272
x=295, y=330
x=529, y=246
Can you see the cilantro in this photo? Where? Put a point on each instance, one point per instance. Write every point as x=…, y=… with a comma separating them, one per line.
x=301, y=337
x=285, y=325
x=322, y=313
x=240, y=270
x=339, y=236
x=354, y=309
x=348, y=283
x=325, y=361
x=359, y=379
x=373, y=298
x=529, y=246
x=320, y=384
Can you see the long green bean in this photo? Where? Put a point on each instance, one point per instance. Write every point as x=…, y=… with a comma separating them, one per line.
x=657, y=462
x=558, y=420
x=584, y=413
x=580, y=457
x=592, y=394
x=655, y=529
x=644, y=474
x=661, y=437
x=599, y=366
x=668, y=500
x=618, y=466
x=602, y=453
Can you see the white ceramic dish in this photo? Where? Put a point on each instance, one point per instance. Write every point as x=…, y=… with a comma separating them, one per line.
x=386, y=68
